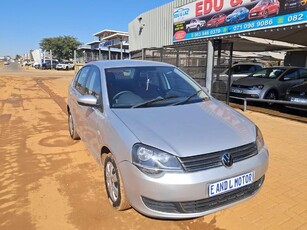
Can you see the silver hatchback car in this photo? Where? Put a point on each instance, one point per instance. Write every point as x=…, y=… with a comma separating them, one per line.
x=166, y=147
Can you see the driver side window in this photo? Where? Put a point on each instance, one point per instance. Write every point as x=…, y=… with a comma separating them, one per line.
x=93, y=83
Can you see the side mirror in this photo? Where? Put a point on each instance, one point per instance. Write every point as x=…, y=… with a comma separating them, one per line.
x=87, y=100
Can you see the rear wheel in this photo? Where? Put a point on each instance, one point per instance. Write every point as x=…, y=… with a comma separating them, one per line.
x=114, y=185
x=72, y=130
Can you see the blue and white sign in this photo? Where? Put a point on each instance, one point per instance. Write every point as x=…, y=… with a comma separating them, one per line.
x=212, y=18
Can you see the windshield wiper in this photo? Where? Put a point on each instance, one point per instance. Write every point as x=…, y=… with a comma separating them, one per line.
x=152, y=101
x=189, y=98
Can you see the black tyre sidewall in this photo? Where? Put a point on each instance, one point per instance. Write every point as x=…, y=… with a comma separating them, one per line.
x=73, y=133
x=116, y=203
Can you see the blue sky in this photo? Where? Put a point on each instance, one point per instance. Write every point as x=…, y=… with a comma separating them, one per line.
x=23, y=24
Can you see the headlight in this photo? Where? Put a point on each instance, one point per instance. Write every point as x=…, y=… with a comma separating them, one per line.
x=255, y=87
x=152, y=161
x=259, y=139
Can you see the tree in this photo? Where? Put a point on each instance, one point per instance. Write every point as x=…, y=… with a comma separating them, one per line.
x=17, y=57
x=62, y=47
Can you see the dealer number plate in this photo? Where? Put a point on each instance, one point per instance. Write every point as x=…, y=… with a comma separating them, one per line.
x=231, y=184
x=302, y=100
x=236, y=90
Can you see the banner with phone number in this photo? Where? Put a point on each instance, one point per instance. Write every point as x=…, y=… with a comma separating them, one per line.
x=267, y=23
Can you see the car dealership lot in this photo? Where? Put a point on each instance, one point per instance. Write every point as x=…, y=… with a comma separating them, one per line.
x=51, y=182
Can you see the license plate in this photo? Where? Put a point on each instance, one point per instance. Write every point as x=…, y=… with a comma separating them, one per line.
x=237, y=91
x=254, y=14
x=231, y=184
x=302, y=100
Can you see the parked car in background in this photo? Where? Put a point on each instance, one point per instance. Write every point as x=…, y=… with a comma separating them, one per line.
x=65, y=65
x=216, y=20
x=166, y=147
x=48, y=65
x=264, y=8
x=298, y=94
x=237, y=15
x=268, y=83
x=195, y=24
x=240, y=70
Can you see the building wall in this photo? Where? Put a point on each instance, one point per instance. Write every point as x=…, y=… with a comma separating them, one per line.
x=155, y=29
x=296, y=58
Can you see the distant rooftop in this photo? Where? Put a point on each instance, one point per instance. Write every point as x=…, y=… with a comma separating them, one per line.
x=109, y=34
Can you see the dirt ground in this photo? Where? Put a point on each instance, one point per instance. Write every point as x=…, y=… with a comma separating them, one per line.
x=48, y=181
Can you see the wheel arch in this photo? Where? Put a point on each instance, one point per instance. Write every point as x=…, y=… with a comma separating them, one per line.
x=275, y=90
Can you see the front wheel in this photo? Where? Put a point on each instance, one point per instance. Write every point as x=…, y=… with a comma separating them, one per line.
x=114, y=185
x=271, y=95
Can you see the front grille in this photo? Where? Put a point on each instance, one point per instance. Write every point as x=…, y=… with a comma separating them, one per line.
x=204, y=204
x=241, y=86
x=212, y=160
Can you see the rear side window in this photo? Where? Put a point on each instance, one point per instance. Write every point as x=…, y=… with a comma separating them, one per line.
x=81, y=79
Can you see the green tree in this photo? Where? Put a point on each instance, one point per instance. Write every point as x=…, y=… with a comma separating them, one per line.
x=62, y=47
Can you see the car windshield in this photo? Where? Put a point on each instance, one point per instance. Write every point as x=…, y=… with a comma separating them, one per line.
x=140, y=87
x=237, y=10
x=263, y=3
x=271, y=73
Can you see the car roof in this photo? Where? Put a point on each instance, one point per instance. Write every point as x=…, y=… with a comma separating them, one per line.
x=126, y=63
x=285, y=67
x=248, y=63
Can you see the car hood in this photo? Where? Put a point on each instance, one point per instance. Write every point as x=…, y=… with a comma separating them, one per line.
x=250, y=81
x=191, y=129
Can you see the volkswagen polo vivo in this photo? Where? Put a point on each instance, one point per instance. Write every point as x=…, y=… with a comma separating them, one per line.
x=166, y=147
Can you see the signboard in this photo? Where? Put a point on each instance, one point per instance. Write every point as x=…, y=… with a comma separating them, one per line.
x=211, y=18
x=113, y=42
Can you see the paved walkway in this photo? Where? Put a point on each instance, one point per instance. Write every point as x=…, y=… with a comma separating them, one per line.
x=282, y=202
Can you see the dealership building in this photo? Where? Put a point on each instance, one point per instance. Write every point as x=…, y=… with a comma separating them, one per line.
x=201, y=37
x=108, y=45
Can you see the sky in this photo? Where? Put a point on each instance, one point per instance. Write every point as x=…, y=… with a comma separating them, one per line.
x=24, y=23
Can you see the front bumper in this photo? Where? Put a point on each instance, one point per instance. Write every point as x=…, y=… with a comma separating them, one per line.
x=245, y=93
x=186, y=195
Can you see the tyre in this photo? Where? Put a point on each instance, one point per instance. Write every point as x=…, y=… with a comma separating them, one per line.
x=114, y=185
x=271, y=95
x=72, y=129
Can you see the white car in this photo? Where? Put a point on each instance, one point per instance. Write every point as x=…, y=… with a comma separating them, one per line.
x=65, y=65
x=195, y=24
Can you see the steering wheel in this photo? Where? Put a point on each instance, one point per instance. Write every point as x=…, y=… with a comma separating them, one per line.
x=116, y=96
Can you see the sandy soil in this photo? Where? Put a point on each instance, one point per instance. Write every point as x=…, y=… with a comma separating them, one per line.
x=49, y=181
